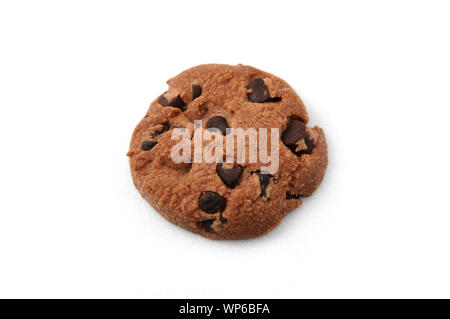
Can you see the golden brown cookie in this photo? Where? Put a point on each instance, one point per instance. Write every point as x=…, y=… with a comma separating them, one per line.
x=226, y=200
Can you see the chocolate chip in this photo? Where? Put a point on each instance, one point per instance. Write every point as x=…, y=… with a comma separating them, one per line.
x=292, y=196
x=196, y=91
x=206, y=225
x=165, y=128
x=295, y=131
x=178, y=103
x=229, y=176
x=211, y=202
x=148, y=145
x=175, y=102
x=258, y=91
x=264, y=180
x=218, y=122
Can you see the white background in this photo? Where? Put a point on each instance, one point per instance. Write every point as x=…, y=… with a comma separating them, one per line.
x=77, y=76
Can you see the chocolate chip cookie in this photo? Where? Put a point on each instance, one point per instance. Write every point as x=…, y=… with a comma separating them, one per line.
x=229, y=198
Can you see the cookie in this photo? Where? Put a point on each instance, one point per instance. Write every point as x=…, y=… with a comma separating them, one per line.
x=234, y=196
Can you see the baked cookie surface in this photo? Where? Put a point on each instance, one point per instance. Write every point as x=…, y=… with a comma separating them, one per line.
x=226, y=200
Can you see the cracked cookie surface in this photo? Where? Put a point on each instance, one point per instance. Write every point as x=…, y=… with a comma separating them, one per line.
x=223, y=200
